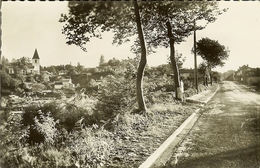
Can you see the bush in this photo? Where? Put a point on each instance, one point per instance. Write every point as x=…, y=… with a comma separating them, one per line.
x=46, y=126
x=84, y=147
x=34, y=111
x=117, y=96
x=70, y=114
x=13, y=141
x=90, y=147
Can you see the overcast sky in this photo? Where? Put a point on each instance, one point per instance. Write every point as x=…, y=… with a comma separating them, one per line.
x=29, y=25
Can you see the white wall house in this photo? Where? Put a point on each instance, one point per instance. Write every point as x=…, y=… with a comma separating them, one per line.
x=65, y=83
x=58, y=85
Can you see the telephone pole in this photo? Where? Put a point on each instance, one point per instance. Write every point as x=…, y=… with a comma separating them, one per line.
x=195, y=60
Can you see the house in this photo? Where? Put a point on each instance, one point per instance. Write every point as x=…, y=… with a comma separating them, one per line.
x=241, y=73
x=64, y=83
x=10, y=69
x=58, y=85
x=67, y=83
x=187, y=73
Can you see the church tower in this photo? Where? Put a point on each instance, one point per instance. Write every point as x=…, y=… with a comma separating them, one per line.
x=36, y=62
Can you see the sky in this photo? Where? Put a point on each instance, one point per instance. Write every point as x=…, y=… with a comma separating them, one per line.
x=27, y=26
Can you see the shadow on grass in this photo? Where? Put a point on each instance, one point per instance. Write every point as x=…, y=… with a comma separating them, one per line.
x=244, y=157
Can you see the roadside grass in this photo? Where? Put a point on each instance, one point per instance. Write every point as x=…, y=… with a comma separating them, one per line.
x=130, y=141
x=133, y=138
x=228, y=141
x=136, y=145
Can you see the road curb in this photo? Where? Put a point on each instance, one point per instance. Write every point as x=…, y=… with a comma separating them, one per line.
x=205, y=101
x=159, y=157
x=162, y=154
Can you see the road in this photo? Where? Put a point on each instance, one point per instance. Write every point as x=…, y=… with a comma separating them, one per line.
x=226, y=134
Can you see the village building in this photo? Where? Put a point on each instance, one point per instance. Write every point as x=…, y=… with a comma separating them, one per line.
x=187, y=73
x=36, y=62
x=64, y=83
x=32, y=68
x=247, y=74
x=67, y=83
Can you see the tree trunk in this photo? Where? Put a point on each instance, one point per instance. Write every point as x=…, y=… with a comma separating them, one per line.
x=210, y=76
x=142, y=63
x=174, y=63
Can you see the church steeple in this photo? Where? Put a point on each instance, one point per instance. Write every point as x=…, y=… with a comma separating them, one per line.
x=36, y=62
x=35, y=55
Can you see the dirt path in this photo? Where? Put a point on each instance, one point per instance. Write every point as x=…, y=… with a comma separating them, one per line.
x=227, y=133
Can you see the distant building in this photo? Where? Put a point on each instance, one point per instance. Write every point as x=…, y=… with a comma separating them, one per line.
x=187, y=73
x=58, y=85
x=64, y=83
x=36, y=62
x=67, y=83
x=33, y=67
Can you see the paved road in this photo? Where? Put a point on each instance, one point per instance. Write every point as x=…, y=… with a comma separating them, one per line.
x=227, y=133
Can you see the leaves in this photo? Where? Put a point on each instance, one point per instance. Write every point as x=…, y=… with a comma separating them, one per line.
x=212, y=52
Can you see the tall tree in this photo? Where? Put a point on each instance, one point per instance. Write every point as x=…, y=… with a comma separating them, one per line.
x=143, y=61
x=169, y=23
x=102, y=60
x=88, y=19
x=161, y=23
x=213, y=54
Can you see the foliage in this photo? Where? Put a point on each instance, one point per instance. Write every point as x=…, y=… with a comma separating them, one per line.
x=36, y=87
x=192, y=91
x=124, y=124
x=13, y=142
x=22, y=64
x=90, y=147
x=117, y=92
x=212, y=52
x=46, y=126
x=35, y=111
x=86, y=147
x=67, y=114
x=102, y=60
x=8, y=82
x=179, y=59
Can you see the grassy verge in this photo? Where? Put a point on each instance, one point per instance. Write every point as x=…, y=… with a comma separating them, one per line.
x=63, y=135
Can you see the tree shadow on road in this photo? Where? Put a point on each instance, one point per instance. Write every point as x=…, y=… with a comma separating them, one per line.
x=244, y=157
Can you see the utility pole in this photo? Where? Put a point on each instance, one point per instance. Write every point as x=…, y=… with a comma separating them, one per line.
x=195, y=60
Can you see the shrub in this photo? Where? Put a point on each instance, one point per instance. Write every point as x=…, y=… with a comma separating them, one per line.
x=90, y=147
x=117, y=96
x=34, y=111
x=67, y=114
x=70, y=114
x=46, y=126
x=13, y=141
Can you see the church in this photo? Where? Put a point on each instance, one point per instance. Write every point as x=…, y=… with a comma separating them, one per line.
x=36, y=62
x=33, y=67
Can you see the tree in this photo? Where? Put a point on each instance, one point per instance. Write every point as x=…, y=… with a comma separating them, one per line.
x=213, y=54
x=151, y=21
x=168, y=23
x=179, y=59
x=79, y=68
x=22, y=64
x=86, y=19
x=36, y=87
x=102, y=60
x=4, y=63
